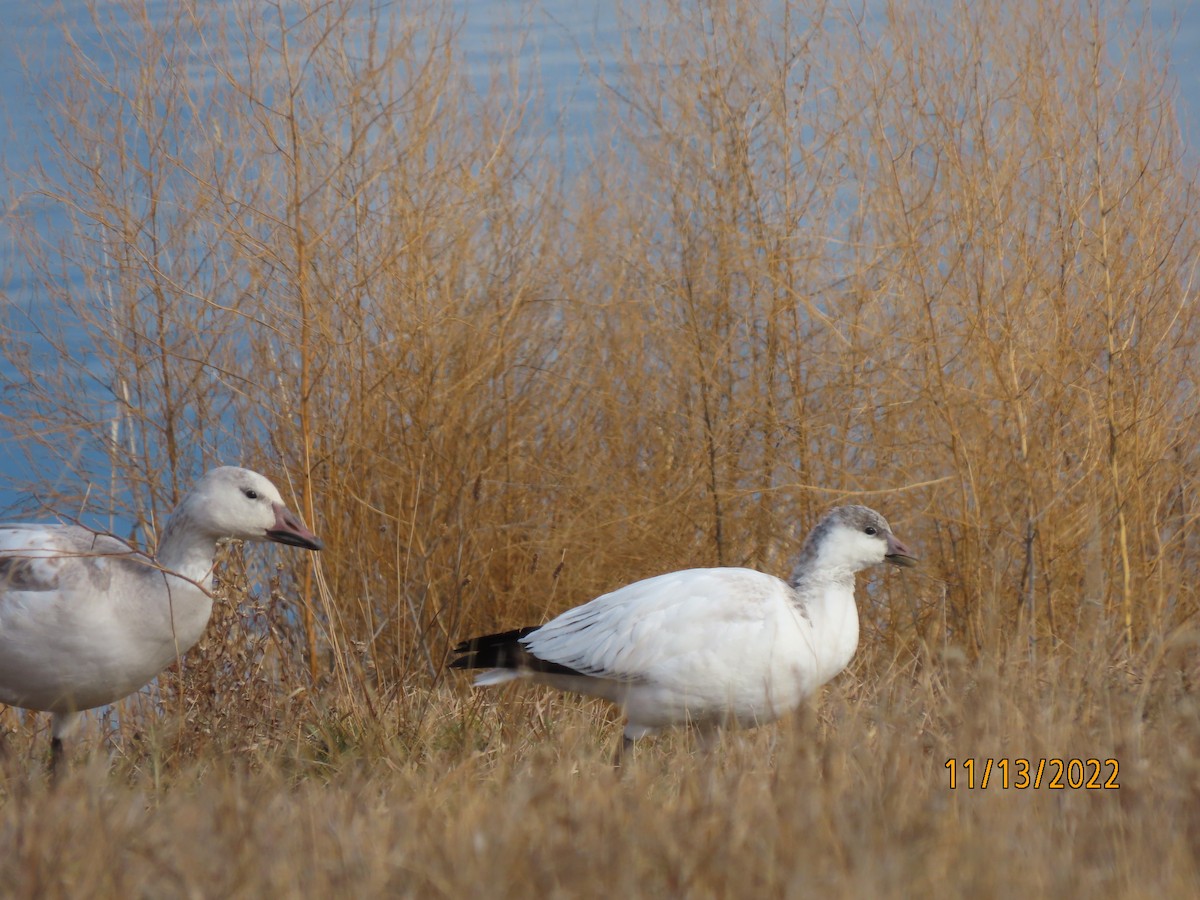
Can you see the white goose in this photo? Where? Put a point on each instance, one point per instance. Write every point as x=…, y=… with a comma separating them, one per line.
x=85, y=619
x=705, y=646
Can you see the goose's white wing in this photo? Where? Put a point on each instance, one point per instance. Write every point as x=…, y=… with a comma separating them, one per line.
x=650, y=630
x=56, y=558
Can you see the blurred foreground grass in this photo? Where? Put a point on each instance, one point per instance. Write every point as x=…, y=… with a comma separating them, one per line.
x=510, y=795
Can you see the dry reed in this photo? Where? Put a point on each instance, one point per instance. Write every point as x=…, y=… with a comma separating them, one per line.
x=939, y=259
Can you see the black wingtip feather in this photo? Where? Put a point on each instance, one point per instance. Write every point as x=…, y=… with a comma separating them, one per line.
x=504, y=650
x=488, y=642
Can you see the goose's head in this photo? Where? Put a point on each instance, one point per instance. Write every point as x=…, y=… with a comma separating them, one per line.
x=853, y=538
x=230, y=502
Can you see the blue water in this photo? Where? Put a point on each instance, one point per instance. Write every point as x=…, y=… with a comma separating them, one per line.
x=33, y=46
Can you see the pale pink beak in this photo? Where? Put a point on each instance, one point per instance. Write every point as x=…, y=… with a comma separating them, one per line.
x=897, y=553
x=290, y=530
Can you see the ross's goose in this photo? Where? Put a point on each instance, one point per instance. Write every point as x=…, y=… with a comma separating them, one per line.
x=705, y=646
x=85, y=619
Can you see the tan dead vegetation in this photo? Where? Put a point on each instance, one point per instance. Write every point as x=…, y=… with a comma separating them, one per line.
x=939, y=261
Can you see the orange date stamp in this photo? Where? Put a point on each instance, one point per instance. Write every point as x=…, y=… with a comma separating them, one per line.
x=1021, y=774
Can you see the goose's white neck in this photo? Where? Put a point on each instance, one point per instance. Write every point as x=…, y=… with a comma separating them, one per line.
x=828, y=604
x=188, y=553
x=186, y=550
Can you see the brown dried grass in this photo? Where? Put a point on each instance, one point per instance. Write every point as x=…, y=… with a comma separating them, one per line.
x=813, y=260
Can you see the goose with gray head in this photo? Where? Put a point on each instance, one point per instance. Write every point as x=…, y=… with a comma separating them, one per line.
x=85, y=619
x=709, y=647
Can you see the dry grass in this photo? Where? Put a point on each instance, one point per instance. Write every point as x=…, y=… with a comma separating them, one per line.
x=452, y=795
x=940, y=260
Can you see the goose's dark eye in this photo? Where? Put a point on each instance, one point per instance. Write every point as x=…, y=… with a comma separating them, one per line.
x=250, y=493
x=871, y=530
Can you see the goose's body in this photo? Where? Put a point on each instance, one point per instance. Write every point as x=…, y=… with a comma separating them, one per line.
x=85, y=619
x=706, y=646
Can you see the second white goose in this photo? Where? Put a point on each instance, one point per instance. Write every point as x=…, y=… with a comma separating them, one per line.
x=85, y=619
x=705, y=646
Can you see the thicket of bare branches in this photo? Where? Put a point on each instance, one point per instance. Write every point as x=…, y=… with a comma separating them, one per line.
x=809, y=258
x=938, y=259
